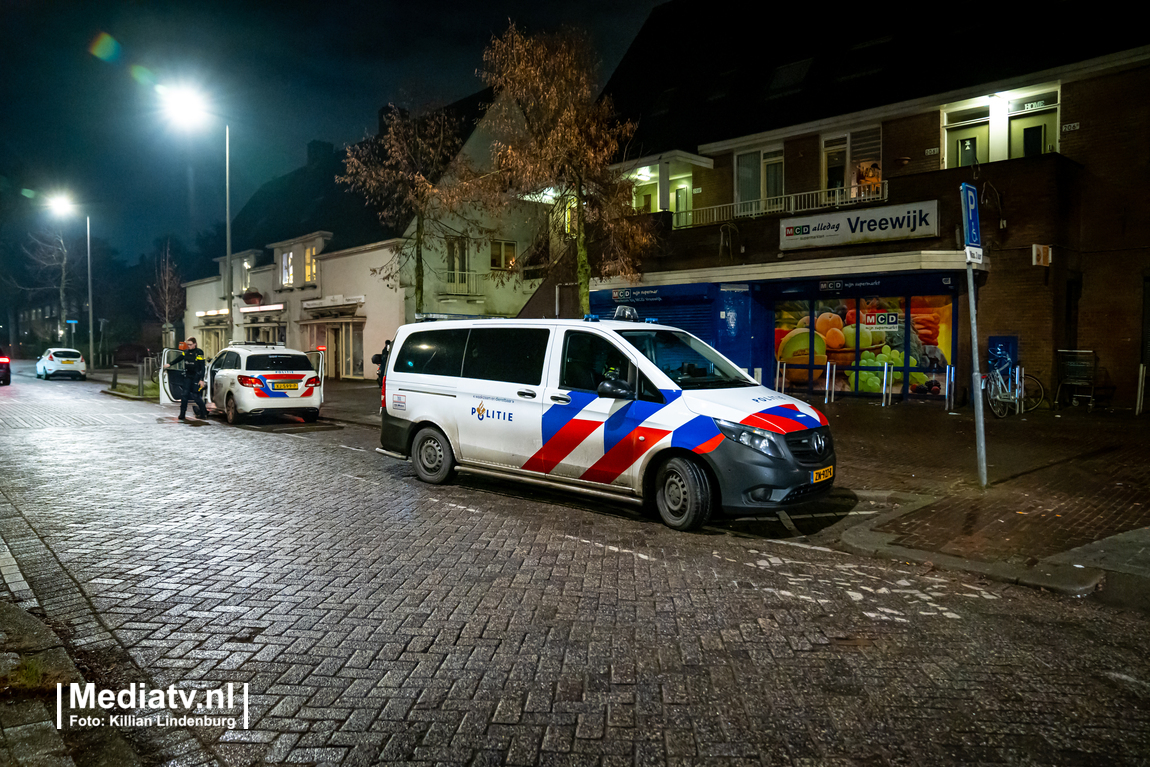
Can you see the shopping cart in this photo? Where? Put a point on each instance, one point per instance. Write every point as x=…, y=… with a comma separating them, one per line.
x=1076, y=372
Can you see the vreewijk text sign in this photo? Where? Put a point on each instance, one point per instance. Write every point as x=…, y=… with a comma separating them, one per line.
x=890, y=222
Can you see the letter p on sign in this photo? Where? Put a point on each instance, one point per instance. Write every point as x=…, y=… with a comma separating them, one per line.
x=970, y=216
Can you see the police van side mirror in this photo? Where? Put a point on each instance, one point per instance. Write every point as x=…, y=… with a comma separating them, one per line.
x=614, y=389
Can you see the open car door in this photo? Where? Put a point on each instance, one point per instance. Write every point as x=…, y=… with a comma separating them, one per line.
x=171, y=379
x=317, y=359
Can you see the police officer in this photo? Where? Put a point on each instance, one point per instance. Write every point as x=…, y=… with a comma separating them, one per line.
x=193, y=378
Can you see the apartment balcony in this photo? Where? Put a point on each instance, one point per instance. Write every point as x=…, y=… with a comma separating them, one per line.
x=461, y=284
x=784, y=204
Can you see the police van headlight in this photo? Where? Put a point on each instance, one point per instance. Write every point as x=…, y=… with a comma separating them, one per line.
x=765, y=442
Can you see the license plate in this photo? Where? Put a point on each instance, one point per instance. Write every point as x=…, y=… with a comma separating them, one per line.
x=285, y=386
x=67, y=362
x=821, y=474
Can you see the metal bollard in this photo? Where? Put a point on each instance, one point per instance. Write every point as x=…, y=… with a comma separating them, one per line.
x=115, y=376
x=1019, y=405
x=829, y=383
x=140, y=380
x=1141, y=389
x=783, y=382
x=948, y=387
x=885, y=369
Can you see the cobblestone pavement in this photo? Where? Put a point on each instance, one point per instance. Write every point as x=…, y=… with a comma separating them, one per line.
x=380, y=620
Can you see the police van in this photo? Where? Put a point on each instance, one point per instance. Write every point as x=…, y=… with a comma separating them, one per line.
x=615, y=408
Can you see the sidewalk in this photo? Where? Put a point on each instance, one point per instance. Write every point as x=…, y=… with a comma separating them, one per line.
x=1067, y=507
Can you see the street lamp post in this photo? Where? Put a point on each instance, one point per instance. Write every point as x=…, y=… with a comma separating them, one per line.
x=187, y=107
x=61, y=205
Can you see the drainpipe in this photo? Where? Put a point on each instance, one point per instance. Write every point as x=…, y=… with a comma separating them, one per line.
x=557, y=286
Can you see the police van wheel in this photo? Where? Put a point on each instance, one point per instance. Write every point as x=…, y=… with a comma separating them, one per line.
x=683, y=494
x=432, y=456
x=232, y=411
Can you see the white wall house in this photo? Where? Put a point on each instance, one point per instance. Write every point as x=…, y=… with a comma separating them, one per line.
x=310, y=297
x=307, y=299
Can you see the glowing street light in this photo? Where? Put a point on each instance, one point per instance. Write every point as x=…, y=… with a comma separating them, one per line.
x=62, y=205
x=187, y=108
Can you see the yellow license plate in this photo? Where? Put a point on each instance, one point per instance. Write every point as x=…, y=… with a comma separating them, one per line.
x=285, y=386
x=821, y=474
x=67, y=362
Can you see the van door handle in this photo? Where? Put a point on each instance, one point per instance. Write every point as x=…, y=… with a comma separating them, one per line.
x=562, y=399
x=526, y=394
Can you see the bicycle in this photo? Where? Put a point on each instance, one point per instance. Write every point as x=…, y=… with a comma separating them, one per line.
x=1001, y=394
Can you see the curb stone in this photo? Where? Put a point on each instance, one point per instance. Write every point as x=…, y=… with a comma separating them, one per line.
x=1063, y=579
x=28, y=734
x=122, y=395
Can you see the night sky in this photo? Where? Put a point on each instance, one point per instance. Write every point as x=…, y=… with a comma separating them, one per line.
x=279, y=73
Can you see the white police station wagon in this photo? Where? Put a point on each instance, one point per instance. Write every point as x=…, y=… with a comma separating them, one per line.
x=253, y=379
x=618, y=408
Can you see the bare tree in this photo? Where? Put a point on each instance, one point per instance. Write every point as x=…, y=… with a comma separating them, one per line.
x=555, y=139
x=166, y=296
x=48, y=261
x=413, y=173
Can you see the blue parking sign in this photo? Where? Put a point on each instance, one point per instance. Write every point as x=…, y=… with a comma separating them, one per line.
x=970, y=216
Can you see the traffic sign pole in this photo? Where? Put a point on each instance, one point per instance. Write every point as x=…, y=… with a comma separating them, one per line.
x=974, y=255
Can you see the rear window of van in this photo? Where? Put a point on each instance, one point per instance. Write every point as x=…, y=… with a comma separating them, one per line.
x=66, y=354
x=432, y=352
x=265, y=363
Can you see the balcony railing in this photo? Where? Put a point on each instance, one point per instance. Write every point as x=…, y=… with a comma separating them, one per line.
x=461, y=284
x=787, y=203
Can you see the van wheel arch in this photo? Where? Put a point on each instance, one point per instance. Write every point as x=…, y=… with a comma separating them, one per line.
x=419, y=426
x=652, y=471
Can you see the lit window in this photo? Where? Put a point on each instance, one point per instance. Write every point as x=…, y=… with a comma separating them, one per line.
x=502, y=254
x=309, y=264
x=286, y=275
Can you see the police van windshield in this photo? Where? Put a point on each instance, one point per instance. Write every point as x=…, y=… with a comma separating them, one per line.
x=686, y=360
x=276, y=362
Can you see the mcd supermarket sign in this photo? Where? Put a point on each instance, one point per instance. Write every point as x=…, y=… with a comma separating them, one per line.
x=891, y=222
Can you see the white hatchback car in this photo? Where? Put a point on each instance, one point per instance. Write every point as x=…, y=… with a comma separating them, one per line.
x=254, y=379
x=59, y=361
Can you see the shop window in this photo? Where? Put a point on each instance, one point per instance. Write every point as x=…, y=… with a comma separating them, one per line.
x=931, y=346
x=795, y=345
x=835, y=323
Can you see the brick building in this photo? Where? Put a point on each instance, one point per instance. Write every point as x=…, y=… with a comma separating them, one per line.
x=808, y=192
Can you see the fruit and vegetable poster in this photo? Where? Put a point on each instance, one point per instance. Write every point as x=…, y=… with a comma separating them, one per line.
x=896, y=342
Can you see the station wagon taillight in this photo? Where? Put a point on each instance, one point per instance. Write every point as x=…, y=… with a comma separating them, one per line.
x=313, y=381
x=383, y=392
x=51, y=358
x=251, y=383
